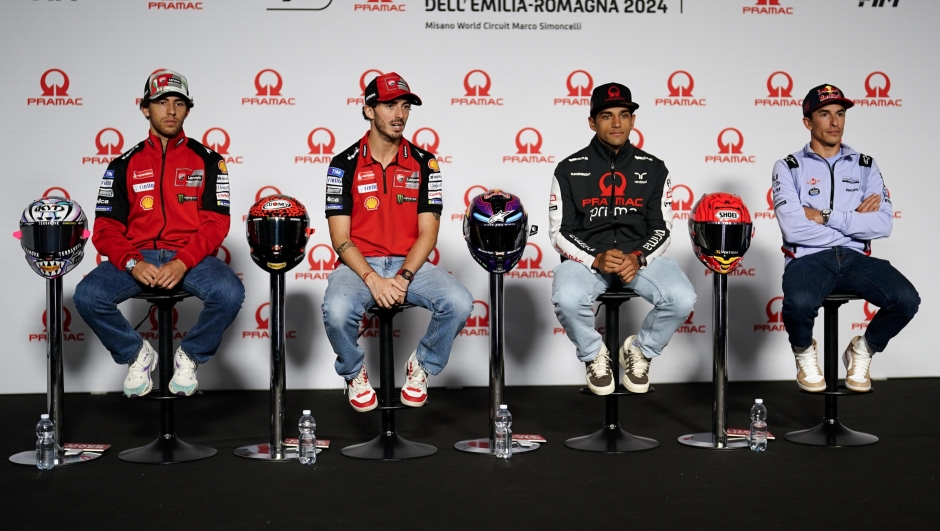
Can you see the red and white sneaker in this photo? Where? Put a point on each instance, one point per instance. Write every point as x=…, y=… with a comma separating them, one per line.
x=415, y=391
x=360, y=392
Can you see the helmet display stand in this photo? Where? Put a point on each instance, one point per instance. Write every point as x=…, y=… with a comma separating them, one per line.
x=277, y=259
x=721, y=230
x=55, y=382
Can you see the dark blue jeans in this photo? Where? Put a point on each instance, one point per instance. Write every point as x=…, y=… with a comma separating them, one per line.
x=98, y=295
x=808, y=280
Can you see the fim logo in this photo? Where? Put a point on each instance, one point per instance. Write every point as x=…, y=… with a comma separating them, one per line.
x=579, y=84
x=779, y=90
x=55, y=90
x=268, y=84
x=321, y=142
x=689, y=326
x=109, y=143
x=152, y=334
x=877, y=92
x=528, y=148
x=680, y=85
x=730, y=142
x=769, y=213
x=870, y=312
x=774, y=317
x=471, y=192
x=767, y=7
x=369, y=327
x=322, y=260
x=261, y=332
x=364, y=80
x=476, y=86
x=428, y=140
x=218, y=140
x=530, y=265
x=67, y=334
x=380, y=5
x=478, y=324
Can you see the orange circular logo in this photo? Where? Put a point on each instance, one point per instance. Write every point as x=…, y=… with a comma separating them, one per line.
x=146, y=202
x=433, y=165
x=372, y=202
x=222, y=167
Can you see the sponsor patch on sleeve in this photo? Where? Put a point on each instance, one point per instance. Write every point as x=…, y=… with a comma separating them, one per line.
x=105, y=192
x=435, y=186
x=221, y=188
x=335, y=190
x=334, y=180
x=335, y=172
x=434, y=177
x=222, y=178
x=434, y=202
x=222, y=203
x=143, y=187
x=434, y=165
x=222, y=195
x=334, y=207
x=107, y=183
x=222, y=167
x=102, y=209
x=434, y=195
x=108, y=174
x=366, y=188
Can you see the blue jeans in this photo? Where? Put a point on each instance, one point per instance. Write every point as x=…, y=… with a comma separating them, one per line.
x=808, y=280
x=662, y=284
x=98, y=295
x=347, y=298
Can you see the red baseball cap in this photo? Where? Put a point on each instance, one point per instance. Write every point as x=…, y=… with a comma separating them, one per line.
x=389, y=87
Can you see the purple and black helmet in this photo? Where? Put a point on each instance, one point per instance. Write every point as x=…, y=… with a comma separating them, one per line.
x=496, y=227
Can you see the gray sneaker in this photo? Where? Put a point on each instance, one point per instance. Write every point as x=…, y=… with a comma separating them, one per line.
x=600, y=378
x=636, y=367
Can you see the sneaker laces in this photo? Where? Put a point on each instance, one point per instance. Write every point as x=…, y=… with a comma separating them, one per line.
x=185, y=366
x=860, y=364
x=416, y=374
x=601, y=364
x=359, y=383
x=639, y=363
x=808, y=364
x=138, y=366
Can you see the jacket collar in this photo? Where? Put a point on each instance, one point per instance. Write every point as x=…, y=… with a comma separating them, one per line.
x=404, y=151
x=609, y=155
x=846, y=152
x=154, y=142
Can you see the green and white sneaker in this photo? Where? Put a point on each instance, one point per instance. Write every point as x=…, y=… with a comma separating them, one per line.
x=184, y=381
x=138, y=382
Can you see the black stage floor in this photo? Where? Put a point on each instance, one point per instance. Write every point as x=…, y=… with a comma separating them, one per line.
x=890, y=485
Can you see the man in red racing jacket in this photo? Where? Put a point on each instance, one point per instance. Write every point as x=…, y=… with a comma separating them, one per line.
x=161, y=215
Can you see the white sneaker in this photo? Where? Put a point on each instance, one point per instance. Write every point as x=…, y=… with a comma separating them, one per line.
x=857, y=366
x=808, y=375
x=636, y=367
x=184, y=381
x=138, y=382
x=600, y=379
x=360, y=392
x=415, y=391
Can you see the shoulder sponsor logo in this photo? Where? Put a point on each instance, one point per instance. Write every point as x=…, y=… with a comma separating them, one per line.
x=335, y=172
x=335, y=190
x=435, y=186
x=334, y=180
x=334, y=200
x=102, y=209
x=366, y=188
x=434, y=165
x=577, y=159
x=145, y=174
x=222, y=203
x=334, y=207
x=222, y=178
x=434, y=201
x=104, y=192
x=638, y=157
x=109, y=174
x=222, y=195
x=104, y=201
x=221, y=188
x=434, y=195
x=365, y=175
x=107, y=183
x=143, y=187
x=434, y=177
x=581, y=174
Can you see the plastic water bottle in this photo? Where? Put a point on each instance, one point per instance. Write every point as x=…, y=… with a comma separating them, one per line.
x=307, y=442
x=503, y=432
x=45, y=444
x=758, y=439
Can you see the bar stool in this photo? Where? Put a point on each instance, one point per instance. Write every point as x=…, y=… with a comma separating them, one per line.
x=388, y=446
x=167, y=448
x=832, y=433
x=611, y=438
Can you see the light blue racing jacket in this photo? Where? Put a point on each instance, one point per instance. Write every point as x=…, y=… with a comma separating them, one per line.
x=805, y=179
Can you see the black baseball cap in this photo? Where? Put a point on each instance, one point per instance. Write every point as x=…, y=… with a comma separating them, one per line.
x=611, y=95
x=824, y=95
x=389, y=87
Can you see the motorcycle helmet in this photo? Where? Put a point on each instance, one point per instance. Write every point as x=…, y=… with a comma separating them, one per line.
x=277, y=232
x=53, y=232
x=496, y=227
x=721, y=230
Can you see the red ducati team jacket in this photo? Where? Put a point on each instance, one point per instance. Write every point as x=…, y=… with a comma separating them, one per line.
x=148, y=199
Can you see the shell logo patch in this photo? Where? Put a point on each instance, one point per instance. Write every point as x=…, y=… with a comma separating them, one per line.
x=372, y=202
x=146, y=202
x=434, y=165
x=222, y=167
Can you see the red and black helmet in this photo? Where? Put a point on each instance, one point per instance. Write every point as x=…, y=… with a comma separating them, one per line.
x=721, y=230
x=277, y=230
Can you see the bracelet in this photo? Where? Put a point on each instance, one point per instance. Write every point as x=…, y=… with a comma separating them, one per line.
x=369, y=272
x=343, y=246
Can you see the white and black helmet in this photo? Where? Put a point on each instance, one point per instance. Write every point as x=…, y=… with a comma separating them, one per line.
x=53, y=232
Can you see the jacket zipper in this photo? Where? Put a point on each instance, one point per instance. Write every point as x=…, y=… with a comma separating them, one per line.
x=832, y=182
x=162, y=200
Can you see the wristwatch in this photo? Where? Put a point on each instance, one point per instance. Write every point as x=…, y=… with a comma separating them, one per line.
x=825, y=215
x=406, y=274
x=640, y=259
x=130, y=265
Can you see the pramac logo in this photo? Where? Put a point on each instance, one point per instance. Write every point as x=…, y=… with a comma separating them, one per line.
x=612, y=185
x=579, y=84
x=67, y=334
x=636, y=138
x=380, y=5
x=55, y=89
x=262, y=318
x=870, y=312
x=767, y=7
x=58, y=191
x=218, y=140
x=434, y=257
x=268, y=84
x=530, y=265
x=774, y=317
x=877, y=92
x=364, y=80
x=680, y=85
x=682, y=199
x=428, y=140
x=322, y=260
x=471, y=192
x=769, y=213
x=730, y=144
x=153, y=333
x=529, y=145
x=321, y=142
x=109, y=143
x=478, y=324
x=689, y=326
x=477, y=85
x=266, y=190
x=779, y=92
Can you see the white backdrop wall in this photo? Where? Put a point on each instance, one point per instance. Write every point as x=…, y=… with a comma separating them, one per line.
x=278, y=91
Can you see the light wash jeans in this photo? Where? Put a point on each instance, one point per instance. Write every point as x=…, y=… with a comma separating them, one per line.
x=347, y=298
x=219, y=288
x=662, y=283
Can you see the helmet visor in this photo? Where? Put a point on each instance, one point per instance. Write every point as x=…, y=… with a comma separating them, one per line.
x=51, y=239
x=722, y=239
x=491, y=239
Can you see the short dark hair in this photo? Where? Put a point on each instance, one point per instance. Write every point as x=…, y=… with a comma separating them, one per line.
x=364, y=117
x=145, y=102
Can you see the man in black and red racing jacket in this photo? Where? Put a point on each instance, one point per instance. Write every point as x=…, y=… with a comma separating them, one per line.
x=161, y=215
x=610, y=217
x=383, y=206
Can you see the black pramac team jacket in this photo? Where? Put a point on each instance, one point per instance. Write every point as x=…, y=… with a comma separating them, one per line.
x=602, y=201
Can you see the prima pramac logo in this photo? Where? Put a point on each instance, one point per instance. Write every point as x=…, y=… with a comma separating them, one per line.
x=579, y=85
x=218, y=140
x=878, y=92
x=680, y=84
x=109, y=144
x=528, y=148
x=428, y=140
x=468, y=196
x=730, y=148
x=478, y=324
x=774, y=317
x=268, y=86
x=766, y=7
x=67, y=334
x=779, y=92
x=321, y=142
x=364, y=80
x=477, y=85
x=322, y=260
x=263, y=321
x=530, y=265
x=55, y=90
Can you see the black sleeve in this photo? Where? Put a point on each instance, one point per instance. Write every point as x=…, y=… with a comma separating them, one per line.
x=112, y=199
x=216, y=191
x=339, y=182
x=431, y=193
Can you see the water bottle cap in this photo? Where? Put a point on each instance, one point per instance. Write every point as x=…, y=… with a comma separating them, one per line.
x=306, y=412
x=44, y=416
x=503, y=406
x=758, y=401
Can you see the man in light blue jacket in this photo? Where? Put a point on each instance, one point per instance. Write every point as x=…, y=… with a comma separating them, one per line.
x=830, y=202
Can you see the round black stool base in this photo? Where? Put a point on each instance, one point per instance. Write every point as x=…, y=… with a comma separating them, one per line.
x=611, y=440
x=28, y=458
x=262, y=452
x=833, y=435
x=707, y=441
x=482, y=447
x=167, y=451
x=389, y=448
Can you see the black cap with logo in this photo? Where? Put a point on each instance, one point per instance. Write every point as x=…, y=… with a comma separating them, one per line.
x=611, y=95
x=824, y=95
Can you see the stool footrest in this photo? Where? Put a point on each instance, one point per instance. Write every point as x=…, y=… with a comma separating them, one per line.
x=155, y=395
x=842, y=391
x=611, y=440
x=619, y=391
x=389, y=447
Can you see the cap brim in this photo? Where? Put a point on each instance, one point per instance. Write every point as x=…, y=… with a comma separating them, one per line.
x=408, y=96
x=627, y=105
x=845, y=103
